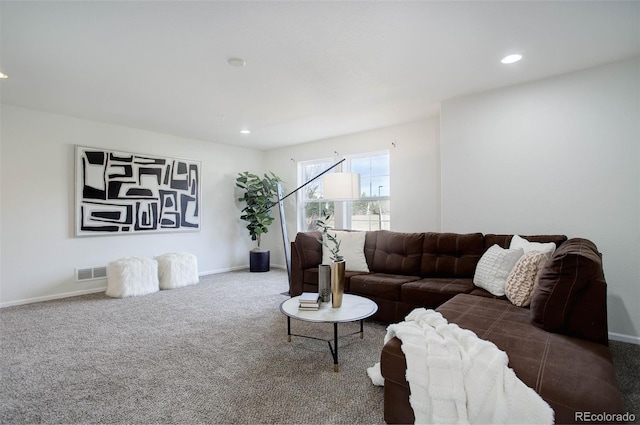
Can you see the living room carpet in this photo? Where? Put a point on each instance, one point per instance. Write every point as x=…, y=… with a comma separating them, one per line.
x=215, y=352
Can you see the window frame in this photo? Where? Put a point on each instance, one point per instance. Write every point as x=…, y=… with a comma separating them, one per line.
x=342, y=210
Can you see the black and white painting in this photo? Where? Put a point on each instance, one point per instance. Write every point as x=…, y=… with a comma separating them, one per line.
x=127, y=193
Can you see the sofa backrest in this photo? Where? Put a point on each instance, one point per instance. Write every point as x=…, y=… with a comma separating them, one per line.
x=571, y=296
x=505, y=240
x=394, y=252
x=430, y=254
x=451, y=254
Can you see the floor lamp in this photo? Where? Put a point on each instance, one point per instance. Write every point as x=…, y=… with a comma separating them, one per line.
x=336, y=186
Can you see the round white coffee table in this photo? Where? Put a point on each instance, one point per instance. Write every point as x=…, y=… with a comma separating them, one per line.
x=353, y=308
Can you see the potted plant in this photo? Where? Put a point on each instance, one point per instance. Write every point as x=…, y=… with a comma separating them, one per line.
x=337, y=262
x=260, y=194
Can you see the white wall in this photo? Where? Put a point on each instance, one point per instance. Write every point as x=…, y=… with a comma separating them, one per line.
x=415, y=174
x=560, y=155
x=39, y=251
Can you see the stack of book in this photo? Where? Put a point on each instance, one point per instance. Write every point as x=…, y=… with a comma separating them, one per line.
x=309, y=301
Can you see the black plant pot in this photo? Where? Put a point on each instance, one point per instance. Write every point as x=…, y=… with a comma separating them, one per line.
x=259, y=261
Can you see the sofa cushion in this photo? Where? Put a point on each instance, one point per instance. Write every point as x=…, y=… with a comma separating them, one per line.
x=571, y=293
x=310, y=279
x=451, y=254
x=479, y=292
x=351, y=249
x=395, y=252
x=571, y=374
x=379, y=285
x=524, y=278
x=432, y=292
x=494, y=268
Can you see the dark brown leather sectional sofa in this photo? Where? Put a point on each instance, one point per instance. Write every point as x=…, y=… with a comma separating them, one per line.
x=558, y=346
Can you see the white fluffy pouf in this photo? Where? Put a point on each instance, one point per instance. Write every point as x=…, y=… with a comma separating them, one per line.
x=133, y=276
x=177, y=269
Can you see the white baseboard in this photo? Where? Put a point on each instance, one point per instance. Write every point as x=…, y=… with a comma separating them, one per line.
x=624, y=338
x=52, y=297
x=100, y=289
x=244, y=267
x=226, y=269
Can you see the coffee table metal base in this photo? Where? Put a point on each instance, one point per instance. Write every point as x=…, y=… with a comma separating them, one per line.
x=333, y=348
x=354, y=309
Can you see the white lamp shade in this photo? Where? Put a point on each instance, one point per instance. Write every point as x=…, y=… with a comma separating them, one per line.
x=341, y=186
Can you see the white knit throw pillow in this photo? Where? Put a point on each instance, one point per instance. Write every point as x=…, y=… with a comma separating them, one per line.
x=494, y=268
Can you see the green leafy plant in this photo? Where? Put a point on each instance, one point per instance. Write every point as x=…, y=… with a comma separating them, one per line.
x=329, y=238
x=260, y=194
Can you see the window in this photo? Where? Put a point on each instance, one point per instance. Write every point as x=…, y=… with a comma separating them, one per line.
x=370, y=212
x=309, y=198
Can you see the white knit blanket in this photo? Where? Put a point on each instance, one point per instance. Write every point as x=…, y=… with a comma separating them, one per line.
x=457, y=378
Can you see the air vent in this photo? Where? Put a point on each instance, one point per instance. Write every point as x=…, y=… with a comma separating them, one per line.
x=91, y=273
x=99, y=272
x=84, y=274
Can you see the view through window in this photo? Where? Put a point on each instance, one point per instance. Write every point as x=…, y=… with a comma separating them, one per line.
x=371, y=212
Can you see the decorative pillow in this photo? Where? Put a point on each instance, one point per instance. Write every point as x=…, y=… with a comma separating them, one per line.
x=524, y=278
x=351, y=248
x=518, y=242
x=494, y=268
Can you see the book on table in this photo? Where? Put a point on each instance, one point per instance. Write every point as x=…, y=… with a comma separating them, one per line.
x=309, y=301
x=309, y=298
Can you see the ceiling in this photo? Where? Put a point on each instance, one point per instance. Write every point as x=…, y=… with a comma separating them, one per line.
x=314, y=69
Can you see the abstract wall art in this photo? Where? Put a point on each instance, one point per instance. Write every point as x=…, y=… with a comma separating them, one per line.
x=128, y=193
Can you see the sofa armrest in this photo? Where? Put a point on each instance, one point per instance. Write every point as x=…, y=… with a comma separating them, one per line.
x=306, y=253
x=308, y=248
x=393, y=366
x=297, y=274
x=571, y=296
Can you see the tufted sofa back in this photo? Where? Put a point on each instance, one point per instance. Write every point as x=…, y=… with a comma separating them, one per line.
x=394, y=252
x=431, y=254
x=451, y=255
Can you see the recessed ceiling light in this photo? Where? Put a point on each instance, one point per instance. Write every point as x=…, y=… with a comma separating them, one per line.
x=245, y=131
x=3, y=75
x=237, y=62
x=511, y=59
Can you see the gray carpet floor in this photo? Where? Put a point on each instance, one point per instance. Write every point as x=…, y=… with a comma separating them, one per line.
x=216, y=352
